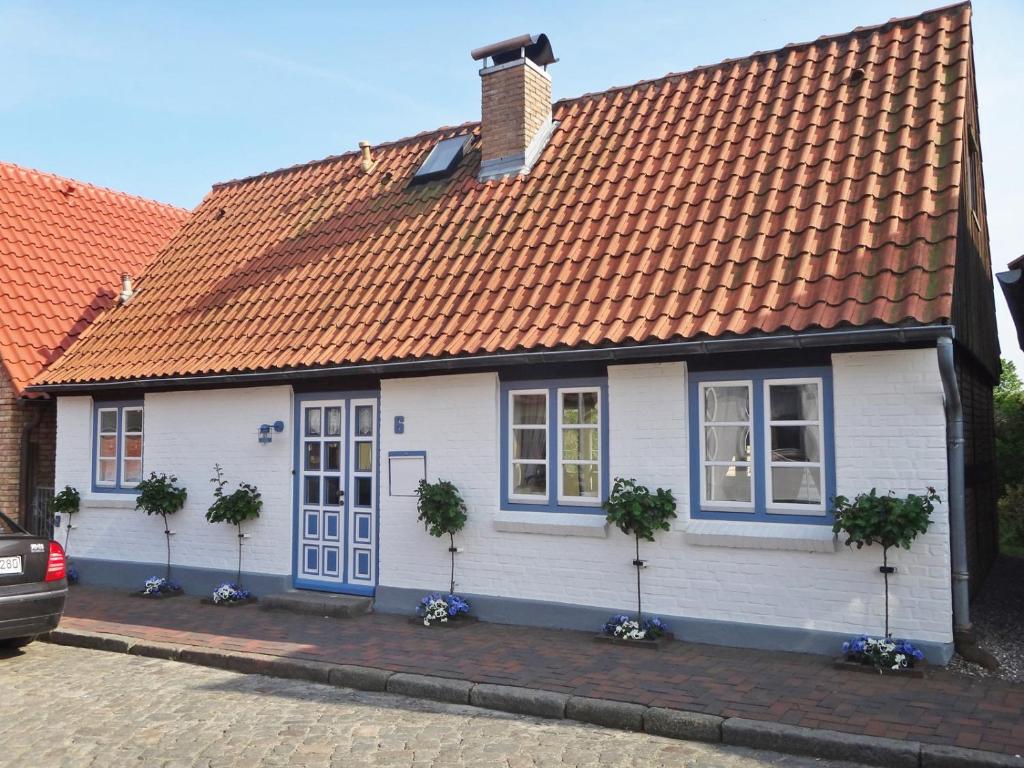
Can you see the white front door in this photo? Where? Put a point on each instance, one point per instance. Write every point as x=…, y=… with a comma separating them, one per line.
x=336, y=494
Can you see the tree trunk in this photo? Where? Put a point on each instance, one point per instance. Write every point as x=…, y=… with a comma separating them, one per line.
x=238, y=577
x=167, y=535
x=451, y=550
x=639, y=610
x=67, y=537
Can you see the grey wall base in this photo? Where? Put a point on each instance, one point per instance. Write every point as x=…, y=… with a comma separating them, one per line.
x=539, y=613
x=131, y=576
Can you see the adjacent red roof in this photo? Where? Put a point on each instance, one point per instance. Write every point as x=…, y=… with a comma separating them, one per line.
x=811, y=187
x=63, y=248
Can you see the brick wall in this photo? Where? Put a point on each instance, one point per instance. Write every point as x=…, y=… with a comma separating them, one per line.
x=889, y=434
x=516, y=106
x=185, y=434
x=15, y=415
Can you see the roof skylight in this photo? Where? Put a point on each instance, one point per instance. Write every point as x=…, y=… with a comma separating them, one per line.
x=443, y=158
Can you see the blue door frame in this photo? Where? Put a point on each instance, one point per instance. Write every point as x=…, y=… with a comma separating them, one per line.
x=354, y=522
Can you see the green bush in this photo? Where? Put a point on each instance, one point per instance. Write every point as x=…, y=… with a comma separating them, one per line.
x=637, y=512
x=66, y=503
x=158, y=495
x=242, y=504
x=443, y=512
x=889, y=521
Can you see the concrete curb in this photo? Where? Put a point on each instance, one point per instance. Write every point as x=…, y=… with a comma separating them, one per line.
x=657, y=721
x=813, y=742
x=522, y=701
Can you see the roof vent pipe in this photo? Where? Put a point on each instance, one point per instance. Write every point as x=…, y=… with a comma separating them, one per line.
x=126, y=288
x=366, y=161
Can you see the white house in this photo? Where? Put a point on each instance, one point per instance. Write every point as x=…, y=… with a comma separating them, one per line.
x=758, y=284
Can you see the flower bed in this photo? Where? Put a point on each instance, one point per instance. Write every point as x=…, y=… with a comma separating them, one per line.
x=228, y=595
x=444, y=610
x=884, y=655
x=626, y=630
x=157, y=587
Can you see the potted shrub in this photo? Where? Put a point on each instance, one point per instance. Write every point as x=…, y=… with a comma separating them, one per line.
x=443, y=513
x=637, y=512
x=237, y=507
x=158, y=495
x=889, y=521
x=67, y=503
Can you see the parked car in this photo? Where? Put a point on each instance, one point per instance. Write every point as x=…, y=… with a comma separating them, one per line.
x=33, y=584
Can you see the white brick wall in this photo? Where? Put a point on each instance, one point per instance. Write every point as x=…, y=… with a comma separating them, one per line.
x=186, y=433
x=889, y=427
x=889, y=433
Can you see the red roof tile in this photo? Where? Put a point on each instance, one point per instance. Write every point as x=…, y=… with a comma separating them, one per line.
x=786, y=190
x=63, y=248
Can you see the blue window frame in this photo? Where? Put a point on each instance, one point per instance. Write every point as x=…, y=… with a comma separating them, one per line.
x=554, y=445
x=117, y=443
x=762, y=445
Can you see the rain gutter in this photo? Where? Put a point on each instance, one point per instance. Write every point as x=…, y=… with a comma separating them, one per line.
x=924, y=334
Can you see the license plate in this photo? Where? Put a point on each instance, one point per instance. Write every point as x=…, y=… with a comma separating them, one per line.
x=10, y=564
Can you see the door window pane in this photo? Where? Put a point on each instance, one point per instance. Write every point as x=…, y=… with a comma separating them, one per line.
x=312, y=492
x=728, y=483
x=313, y=422
x=364, y=420
x=364, y=492
x=333, y=417
x=364, y=457
x=332, y=491
x=530, y=409
x=796, y=485
x=313, y=456
x=332, y=456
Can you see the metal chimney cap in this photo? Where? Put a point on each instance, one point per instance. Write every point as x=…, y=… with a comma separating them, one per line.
x=536, y=48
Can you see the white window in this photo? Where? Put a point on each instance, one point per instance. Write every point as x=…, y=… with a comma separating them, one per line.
x=579, y=445
x=794, y=423
x=528, y=448
x=106, y=447
x=117, y=454
x=727, y=466
x=131, y=447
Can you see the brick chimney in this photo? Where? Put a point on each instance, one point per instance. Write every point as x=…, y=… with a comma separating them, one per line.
x=515, y=105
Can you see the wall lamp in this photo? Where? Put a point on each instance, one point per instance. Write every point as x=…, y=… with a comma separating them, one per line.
x=266, y=431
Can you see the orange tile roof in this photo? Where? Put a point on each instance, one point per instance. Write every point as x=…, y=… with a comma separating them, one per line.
x=63, y=248
x=778, y=191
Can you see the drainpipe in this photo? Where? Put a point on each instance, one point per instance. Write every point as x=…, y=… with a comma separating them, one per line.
x=963, y=631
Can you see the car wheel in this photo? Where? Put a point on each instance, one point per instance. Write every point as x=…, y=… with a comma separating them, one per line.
x=16, y=642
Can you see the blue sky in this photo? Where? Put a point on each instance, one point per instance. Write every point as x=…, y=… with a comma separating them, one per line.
x=163, y=100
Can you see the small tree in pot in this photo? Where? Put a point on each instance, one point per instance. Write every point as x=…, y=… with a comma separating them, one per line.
x=887, y=520
x=158, y=495
x=443, y=513
x=235, y=508
x=639, y=513
x=67, y=503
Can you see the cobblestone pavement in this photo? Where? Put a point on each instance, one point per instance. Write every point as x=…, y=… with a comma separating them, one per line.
x=789, y=688
x=76, y=708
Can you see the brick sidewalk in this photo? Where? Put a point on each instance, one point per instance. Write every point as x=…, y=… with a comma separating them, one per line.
x=804, y=690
